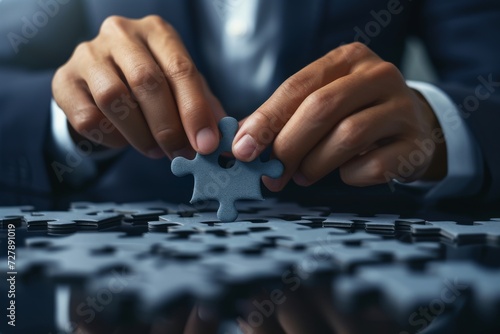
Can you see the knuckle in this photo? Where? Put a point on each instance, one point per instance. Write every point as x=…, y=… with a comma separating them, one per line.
x=350, y=134
x=322, y=103
x=268, y=126
x=194, y=110
x=157, y=23
x=294, y=86
x=180, y=67
x=318, y=98
x=154, y=18
x=84, y=48
x=107, y=94
x=357, y=48
x=113, y=24
x=387, y=70
x=145, y=78
x=61, y=76
x=84, y=119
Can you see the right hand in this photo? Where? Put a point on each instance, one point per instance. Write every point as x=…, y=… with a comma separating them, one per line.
x=136, y=84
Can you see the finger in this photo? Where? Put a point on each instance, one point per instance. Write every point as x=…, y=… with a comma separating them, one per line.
x=318, y=115
x=150, y=89
x=382, y=165
x=260, y=129
x=353, y=136
x=215, y=104
x=112, y=97
x=202, y=320
x=198, y=120
x=300, y=314
x=73, y=97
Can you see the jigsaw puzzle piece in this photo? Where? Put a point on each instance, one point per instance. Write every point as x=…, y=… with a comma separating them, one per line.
x=225, y=184
x=481, y=231
x=154, y=287
x=13, y=215
x=416, y=298
x=77, y=259
x=67, y=221
x=397, y=289
x=380, y=223
x=483, y=282
x=134, y=212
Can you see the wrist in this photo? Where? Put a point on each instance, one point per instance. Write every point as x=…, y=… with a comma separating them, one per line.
x=438, y=166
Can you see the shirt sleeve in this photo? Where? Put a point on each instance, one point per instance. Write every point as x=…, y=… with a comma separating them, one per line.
x=464, y=176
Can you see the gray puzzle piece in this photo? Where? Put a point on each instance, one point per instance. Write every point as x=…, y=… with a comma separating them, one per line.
x=397, y=289
x=226, y=185
x=138, y=211
x=484, y=284
x=410, y=296
x=79, y=257
x=62, y=220
x=377, y=223
x=482, y=231
x=155, y=286
x=13, y=215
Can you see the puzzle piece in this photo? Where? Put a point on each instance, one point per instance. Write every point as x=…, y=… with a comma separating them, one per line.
x=139, y=211
x=481, y=231
x=64, y=221
x=226, y=185
x=435, y=290
x=13, y=215
x=379, y=223
x=271, y=245
x=155, y=286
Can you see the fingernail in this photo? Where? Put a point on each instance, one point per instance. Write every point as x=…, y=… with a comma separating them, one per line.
x=300, y=179
x=245, y=148
x=155, y=153
x=206, y=140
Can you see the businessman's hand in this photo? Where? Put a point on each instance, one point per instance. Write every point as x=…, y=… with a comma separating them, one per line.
x=348, y=110
x=135, y=83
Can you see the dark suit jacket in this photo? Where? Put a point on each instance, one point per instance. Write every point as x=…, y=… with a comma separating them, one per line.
x=461, y=37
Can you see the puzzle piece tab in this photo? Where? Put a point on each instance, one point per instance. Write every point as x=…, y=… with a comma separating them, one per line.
x=226, y=185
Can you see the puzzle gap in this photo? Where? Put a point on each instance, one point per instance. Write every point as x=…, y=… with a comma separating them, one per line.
x=226, y=160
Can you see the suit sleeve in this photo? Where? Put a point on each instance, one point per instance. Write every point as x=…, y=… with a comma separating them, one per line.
x=462, y=40
x=37, y=37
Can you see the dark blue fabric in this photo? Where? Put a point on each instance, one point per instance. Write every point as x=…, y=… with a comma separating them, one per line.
x=461, y=36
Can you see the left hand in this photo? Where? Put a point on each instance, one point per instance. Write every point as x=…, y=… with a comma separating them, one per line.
x=349, y=110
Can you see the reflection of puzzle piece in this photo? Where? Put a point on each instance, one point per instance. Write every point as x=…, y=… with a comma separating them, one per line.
x=62, y=220
x=13, y=215
x=367, y=251
x=155, y=286
x=226, y=185
x=483, y=231
x=436, y=289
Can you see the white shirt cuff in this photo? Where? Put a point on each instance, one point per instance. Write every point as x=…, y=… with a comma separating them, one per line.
x=465, y=164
